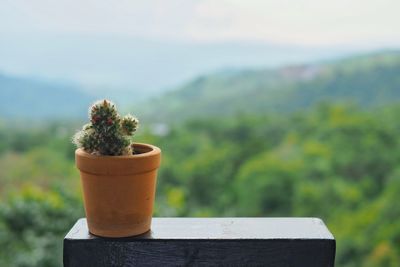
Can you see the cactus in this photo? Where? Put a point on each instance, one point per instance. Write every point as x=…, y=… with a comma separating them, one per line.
x=107, y=133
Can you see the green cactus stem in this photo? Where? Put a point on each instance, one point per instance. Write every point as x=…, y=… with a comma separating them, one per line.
x=107, y=133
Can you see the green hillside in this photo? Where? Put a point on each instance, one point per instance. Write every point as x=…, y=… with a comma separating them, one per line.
x=335, y=162
x=370, y=80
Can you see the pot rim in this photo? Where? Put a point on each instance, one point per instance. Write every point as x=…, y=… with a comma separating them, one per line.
x=153, y=151
x=119, y=165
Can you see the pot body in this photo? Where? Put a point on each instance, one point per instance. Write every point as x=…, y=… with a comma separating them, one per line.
x=119, y=191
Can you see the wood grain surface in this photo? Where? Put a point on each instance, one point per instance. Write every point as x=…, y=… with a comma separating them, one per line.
x=277, y=242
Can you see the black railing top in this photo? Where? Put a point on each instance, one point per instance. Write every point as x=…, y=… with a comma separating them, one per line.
x=278, y=242
x=224, y=228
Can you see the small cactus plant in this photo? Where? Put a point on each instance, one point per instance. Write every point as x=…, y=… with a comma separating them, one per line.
x=107, y=133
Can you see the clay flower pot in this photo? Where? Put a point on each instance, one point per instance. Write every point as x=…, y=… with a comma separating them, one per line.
x=119, y=190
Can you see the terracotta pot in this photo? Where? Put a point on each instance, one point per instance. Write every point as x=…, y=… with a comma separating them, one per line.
x=119, y=191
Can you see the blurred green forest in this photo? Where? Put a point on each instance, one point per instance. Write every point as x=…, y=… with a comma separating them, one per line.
x=321, y=140
x=338, y=162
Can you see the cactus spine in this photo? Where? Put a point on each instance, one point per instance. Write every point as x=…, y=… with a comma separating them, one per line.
x=107, y=133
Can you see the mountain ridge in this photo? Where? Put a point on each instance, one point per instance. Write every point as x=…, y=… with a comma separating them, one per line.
x=367, y=80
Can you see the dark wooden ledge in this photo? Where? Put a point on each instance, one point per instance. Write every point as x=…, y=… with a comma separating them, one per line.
x=208, y=242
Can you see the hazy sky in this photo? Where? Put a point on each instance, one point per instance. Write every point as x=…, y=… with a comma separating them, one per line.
x=306, y=22
x=155, y=44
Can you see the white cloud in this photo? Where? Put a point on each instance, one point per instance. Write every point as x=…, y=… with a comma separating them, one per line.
x=312, y=22
x=303, y=22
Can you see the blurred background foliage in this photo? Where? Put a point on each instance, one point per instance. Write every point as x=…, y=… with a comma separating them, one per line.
x=334, y=161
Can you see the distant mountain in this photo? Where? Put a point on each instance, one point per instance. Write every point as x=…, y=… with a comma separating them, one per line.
x=369, y=80
x=26, y=98
x=143, y=67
